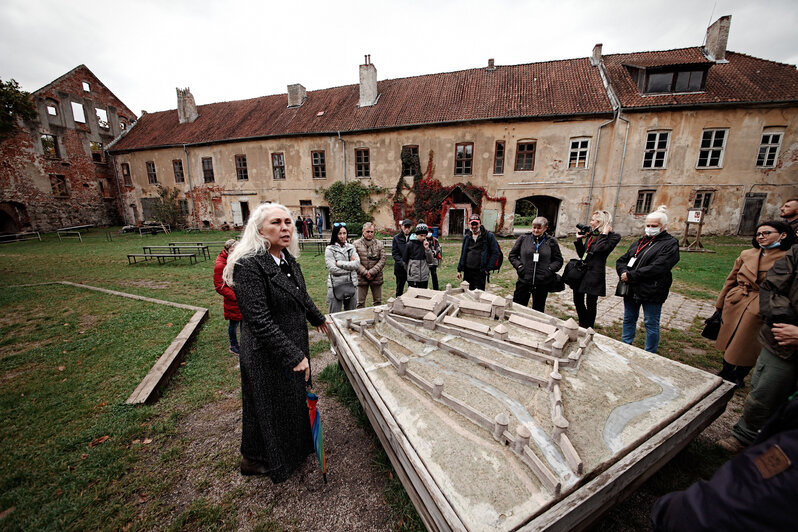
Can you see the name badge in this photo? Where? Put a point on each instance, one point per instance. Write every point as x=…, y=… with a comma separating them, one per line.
x=632, y=262
x=535, y=257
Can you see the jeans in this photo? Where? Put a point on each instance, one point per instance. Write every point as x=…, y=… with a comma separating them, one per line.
x=586, y=305
x=651, y=314
x=231, y=332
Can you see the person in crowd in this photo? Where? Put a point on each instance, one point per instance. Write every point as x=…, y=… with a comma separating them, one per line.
x=304, y=228
x=536, y=258
x=738, y=301
x=225, y=226
x=753, y=491
x=319, y=224
x=775, y=375
x=275, y=354
x=231, y=310
x=647, y=266
x=594, y=248
x=300, y=225
x=789, y=211
x=417, y=258
x=342, y=262
x=437, y=255
x=479, y=250
x=398, y=246
x=309, y=224
x=372, y=261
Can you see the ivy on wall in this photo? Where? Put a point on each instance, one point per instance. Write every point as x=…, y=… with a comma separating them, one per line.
x=346, y=203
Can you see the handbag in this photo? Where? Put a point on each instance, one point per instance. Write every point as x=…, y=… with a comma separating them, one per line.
x=574, y=272
x=622, y=290
x=558, y=285
x=712, y=326
x=342, y=291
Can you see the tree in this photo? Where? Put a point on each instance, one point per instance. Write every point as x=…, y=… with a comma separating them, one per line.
x=167, y=210
x=14, y=103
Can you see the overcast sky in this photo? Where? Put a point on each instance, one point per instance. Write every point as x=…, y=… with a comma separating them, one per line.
x=232, y=50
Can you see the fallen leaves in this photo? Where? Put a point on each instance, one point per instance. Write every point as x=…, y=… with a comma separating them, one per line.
x=98, y=441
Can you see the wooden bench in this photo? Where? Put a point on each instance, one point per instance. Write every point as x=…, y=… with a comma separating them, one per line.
x=161, y=257
x=197, y=248
x=153, y=229
x=68, y=234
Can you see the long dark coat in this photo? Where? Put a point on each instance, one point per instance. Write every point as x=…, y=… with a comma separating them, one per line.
x=650, y=278
x=274, y=339
x=594, y=282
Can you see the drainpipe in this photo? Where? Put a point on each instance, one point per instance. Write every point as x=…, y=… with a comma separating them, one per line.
x=343, y=149
x=620, y=172
x=593, y=173
x=191, y=188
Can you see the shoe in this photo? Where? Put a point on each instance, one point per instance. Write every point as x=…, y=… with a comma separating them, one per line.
x=732, y=444
x=252, y=467
x=234, y=349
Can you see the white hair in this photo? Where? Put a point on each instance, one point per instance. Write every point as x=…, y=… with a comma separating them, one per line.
x=604, y=217
x=660, y=214
x=253, y=242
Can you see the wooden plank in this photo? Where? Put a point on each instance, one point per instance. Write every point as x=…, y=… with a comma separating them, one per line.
x=544, y=474
x=470, y=307
x=532, y=324
x=467, y=325
x=132, y=296
x=571, y=456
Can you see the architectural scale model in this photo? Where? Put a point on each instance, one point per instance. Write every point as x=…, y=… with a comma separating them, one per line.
x=498, y=417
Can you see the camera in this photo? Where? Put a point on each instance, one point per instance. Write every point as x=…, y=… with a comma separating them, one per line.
x=584, y=228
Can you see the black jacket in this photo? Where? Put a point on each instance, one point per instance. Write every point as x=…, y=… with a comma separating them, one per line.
x=542, y=273
x=398, y=246
x=650, y=277
x=594, y=282
x=490, y=250
x=778, y=301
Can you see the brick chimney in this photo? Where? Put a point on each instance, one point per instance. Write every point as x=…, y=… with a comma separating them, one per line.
x=595, y=59
x=296, y=95
x=368, y=84
x=186, y=108
x=717, y=38
x=491, y=64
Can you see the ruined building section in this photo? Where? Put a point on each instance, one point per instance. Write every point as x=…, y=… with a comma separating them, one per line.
x=54, y=171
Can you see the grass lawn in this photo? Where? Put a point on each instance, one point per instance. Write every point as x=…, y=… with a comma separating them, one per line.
x=71, y=450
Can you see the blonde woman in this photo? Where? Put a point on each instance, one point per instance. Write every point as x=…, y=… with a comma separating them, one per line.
x=275, y=368
x=593, y=248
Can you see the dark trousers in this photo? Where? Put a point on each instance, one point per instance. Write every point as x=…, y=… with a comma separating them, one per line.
x=475, y=279
x=231, y=332
x=524, y=290
x=585, y=308
x=433, y=274
x=401, y=279
x=418, y=284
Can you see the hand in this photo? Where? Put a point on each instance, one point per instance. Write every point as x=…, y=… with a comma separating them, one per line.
x=304, y=366
x=459, y=275
x=785, y=334
x=579, y=235
x=368, y=276
x=607, y=229
x=323, y=328
x=624, y=277
x=426, y=244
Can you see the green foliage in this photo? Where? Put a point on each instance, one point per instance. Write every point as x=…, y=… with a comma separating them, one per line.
x=14, y=103
x=167, y=210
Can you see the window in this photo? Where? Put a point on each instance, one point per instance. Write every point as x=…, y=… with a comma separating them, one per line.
x=241, y=168
x=49, y=146
x=177, y=166
x=152, y=178
x=713, y=142
x=126, y=173
x=498, y=158
x=319, y=166
x=667, y=82
x=703, y=198
x=463, y=158
x=102, y=118
x=577, y=154
x=96, y=151
x=525, y=156
x=77, y=113
x=105, y=190
x=278, y=165
x=183, y=204
x=59, y=185
x=411, y=165
x=769, y=149
x=656, y=151
x=122, y=123
x=207, y=169
x=689, y=81
x=362, y=167
x=86, y=86
x=52, y=110
x=643, y=205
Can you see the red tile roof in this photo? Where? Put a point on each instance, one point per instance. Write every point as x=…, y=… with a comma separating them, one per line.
x=532, y=91
x=743, y=80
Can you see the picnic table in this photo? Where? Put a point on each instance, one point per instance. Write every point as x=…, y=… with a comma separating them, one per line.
x=196, y=248
x=72, y=232
x=153, y=229
x=18, y=237
x=161, y=257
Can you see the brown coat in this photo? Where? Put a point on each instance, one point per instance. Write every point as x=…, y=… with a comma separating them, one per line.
x=739, y=301
x=372, y=260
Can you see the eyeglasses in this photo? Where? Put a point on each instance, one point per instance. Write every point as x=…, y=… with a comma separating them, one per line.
x=339, y=224
x=765, y=233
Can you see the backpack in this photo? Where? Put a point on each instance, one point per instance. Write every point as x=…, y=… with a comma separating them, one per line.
x=498, y=262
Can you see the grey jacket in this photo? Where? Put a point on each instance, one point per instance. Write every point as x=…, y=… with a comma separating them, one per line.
x=348, y=260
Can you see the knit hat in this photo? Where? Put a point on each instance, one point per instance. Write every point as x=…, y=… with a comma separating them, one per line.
x=422, y=229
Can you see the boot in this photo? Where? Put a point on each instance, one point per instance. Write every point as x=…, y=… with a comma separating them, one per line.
x=740, y=373
x=727, y=373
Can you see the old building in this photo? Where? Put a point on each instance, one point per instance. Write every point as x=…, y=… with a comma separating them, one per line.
x=699, y=126
x=53, y=170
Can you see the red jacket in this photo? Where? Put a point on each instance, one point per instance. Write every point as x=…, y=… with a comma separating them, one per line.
x=231, y=311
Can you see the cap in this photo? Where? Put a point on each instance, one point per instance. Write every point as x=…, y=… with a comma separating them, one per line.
x=406, y=222
x=422, y=229
x=474, y=218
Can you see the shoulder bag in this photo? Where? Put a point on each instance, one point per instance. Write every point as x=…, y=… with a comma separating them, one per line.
x=574, y=272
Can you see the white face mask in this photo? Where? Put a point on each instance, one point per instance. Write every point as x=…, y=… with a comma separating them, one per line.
x=652, y=231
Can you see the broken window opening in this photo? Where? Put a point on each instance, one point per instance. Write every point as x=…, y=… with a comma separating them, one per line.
x=207, y=169
x=77, y=112
x=644, y=199
x=703, y=199
x=102, y=118
x=278, y=165
x=59, y=185
x=177, y=166
x=241, y=168
x=463, y=158
x=126, y=173
x=498, y=158
x=52, y=110
x=50, y=146
x=86, y=86
x=411, y=165
x=319, y=165
x=96, y=151
x=152, y=177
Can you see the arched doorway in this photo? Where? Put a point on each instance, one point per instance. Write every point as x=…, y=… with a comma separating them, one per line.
x=546, y=206
x=13, y=218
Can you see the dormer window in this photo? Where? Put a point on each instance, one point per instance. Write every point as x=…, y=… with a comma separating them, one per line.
x=671, y=79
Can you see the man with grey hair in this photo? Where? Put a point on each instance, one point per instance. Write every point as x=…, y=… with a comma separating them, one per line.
x=789, y=211
x=372, y=262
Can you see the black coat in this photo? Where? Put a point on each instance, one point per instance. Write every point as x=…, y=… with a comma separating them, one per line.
x=398, y=246
x=650, y=277
x=594, y=282
x=274, y=339
x=549, y=262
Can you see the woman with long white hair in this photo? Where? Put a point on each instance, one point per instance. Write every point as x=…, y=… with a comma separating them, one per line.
x=275, y=354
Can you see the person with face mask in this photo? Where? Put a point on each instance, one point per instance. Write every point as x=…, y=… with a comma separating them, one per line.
x=738, y=301
x=646, y=267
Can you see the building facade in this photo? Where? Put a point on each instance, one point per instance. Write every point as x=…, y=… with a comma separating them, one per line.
x=696, y=127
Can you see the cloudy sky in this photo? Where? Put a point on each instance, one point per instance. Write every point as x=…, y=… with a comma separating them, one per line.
x=235, y=49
